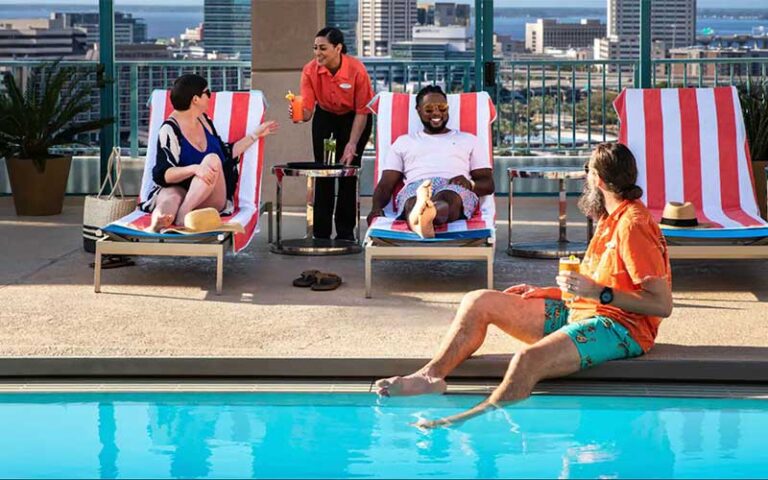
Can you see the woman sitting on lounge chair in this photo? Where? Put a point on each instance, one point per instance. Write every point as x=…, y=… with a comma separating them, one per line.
x=194, y=167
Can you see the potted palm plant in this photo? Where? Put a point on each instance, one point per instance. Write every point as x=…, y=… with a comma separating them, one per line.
x=35, y=118
x=754, y=106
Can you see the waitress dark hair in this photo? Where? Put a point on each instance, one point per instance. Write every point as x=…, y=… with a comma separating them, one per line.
x=334, y=36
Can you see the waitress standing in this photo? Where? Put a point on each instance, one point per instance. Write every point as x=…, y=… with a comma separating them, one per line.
x=336, y=91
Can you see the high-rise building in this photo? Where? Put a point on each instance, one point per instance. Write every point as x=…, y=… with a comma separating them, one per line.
x=462, y=14
x=227, y=28
x=425, y=13
x=549, y=33
x=34, y=38
x=342, y=14
x=382, y=23
x=127, y=28
x=673, y=23
x=451, y=13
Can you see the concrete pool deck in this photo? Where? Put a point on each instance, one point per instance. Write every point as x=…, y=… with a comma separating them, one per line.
x=162, y=317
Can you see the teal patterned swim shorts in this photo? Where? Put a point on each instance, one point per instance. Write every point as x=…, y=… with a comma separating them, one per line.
x=598, y=339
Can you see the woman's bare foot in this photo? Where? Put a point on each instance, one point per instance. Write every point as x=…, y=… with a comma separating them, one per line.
x=414, y=384
x=160, y=222
x=423, y=213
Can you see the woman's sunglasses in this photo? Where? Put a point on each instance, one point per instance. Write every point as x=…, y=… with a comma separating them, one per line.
x=430, y=108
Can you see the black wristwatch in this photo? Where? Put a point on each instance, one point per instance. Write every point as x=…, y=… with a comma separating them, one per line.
x=606, y=296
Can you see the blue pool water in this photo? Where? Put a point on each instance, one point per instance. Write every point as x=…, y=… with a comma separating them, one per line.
x=354, y=435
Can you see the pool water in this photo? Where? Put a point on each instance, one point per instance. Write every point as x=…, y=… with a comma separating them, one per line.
x=279, y=435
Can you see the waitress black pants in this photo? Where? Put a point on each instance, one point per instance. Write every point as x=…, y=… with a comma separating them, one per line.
x=323, y=124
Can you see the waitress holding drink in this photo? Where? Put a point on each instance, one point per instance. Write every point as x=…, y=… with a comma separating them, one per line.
x=335, y=92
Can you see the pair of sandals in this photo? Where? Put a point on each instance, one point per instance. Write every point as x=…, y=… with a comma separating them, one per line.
x=317, y=280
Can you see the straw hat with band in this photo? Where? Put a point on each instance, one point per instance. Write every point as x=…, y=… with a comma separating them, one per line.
x=680, y=215
x=205, y=220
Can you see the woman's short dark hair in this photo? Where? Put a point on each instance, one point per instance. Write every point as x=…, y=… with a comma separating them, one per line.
x=185, y=88
x=427, y=90
x=334, y=36
x=615, y=165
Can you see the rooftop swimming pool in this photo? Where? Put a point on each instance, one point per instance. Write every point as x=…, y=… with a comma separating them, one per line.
x=298, y=435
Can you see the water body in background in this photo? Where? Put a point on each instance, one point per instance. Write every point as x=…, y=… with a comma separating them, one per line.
x=515, y=26
x=170, y=21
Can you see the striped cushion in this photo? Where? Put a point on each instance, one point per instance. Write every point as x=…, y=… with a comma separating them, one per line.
x=395, y=116
x=690, y=145
x=233, y=114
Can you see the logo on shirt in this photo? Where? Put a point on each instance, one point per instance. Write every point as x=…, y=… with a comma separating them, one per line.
x=345, y=86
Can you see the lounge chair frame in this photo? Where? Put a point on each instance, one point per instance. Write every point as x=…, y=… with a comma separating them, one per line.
x=381, y=249
x=214, y=246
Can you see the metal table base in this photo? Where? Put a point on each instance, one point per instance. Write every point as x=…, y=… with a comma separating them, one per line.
x=547, y=249
x=562, y=247
x=316, y=246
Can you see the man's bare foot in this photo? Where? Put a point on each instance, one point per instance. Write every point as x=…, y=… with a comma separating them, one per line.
x=160, y=222
x=423, y=213
x=414, y=384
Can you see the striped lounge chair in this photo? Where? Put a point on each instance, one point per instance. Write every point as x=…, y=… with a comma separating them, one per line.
x=389, y=238
x=233, y=114
x=690, y=145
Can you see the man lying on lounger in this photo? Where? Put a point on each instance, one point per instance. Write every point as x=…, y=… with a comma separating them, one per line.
x=621, y=293
x=444, y=170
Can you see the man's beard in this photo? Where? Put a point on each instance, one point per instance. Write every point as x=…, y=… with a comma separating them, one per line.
x=592, y=202
x=428, y=126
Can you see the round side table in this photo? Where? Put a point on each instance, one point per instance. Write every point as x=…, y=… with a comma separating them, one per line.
x=310, y=245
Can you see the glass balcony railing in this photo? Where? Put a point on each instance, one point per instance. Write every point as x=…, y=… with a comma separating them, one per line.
x=546, y=106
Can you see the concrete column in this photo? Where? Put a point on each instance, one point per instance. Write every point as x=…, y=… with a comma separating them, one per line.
x=282, y=37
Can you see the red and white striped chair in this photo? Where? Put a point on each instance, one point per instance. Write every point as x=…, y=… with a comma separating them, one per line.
x=389, y=238
x=233, y=114
x=690, y=145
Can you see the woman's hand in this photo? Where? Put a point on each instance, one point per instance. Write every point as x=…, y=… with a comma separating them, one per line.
x=205, y=173
x=529, y=291
x=267, y=128
x=578, y=284
x=350, y=152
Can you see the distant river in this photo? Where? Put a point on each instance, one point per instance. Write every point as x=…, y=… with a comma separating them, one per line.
x=164, y=22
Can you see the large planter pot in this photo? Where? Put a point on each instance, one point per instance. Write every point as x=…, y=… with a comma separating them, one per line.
x=758, y=170
x=38, y=193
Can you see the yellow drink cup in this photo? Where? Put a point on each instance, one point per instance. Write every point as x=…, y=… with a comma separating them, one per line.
x=569, y=264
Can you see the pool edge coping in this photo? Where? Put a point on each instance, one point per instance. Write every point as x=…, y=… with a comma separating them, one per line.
x=491, y=367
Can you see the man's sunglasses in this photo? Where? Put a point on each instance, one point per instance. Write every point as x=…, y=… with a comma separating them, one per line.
x=206, y=92
x=430, y=108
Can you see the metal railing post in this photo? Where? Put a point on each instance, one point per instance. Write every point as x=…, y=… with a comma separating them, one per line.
x=645, y=44
x=134, y=109
x=108, y=133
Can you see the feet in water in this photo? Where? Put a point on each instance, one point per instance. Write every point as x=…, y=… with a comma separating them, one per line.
x=423, y=213
x=160, y=222
x=414, y=384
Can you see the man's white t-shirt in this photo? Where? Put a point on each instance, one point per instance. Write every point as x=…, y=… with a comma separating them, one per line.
x=420, y=155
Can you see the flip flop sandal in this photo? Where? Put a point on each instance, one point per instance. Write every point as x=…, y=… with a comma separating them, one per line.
x=307, y=279
x=114, y=261
x=326, y=282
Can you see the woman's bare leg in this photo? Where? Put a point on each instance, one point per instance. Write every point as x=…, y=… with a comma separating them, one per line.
x=169, y=200
x=199, y=191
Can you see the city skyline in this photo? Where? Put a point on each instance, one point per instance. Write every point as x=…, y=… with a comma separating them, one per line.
x=499, y=3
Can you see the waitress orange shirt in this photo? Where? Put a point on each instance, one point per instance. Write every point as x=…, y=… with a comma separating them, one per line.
x=627, y=247
x=347, y=91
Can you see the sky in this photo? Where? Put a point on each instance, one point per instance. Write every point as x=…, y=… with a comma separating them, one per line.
x=498, y=3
